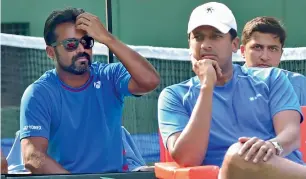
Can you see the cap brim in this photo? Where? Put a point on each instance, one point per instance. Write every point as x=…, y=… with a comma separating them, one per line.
x=216, y=24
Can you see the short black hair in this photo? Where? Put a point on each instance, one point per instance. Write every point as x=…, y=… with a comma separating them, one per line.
x=58, y=17
x=263, y=24
x=233, y=33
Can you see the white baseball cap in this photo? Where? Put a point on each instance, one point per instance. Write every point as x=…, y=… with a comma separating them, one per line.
x=213, y=14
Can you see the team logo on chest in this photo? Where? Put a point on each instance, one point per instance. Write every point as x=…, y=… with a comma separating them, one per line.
x=97, y=84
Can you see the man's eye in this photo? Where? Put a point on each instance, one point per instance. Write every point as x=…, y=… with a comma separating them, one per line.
x=257, y=47
x=198, y=37
x=274, y=49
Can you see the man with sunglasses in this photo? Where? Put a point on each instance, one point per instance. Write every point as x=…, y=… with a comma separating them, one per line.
x=70, y=118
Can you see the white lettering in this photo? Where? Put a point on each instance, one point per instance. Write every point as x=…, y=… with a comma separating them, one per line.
x=31, y=127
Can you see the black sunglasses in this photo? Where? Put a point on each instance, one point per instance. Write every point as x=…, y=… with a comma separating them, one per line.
x=72, y=44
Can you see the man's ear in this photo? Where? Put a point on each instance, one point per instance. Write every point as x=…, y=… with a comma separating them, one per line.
x=235, y=44
x=189, y=50
x=50, y=52
x=242, y=50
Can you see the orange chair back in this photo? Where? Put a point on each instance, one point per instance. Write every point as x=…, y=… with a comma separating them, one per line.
x=164, y=154
x=303, y=134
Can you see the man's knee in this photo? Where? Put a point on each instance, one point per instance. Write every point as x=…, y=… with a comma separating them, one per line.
x=234, y=165
x=234, y=161
x=233, y=149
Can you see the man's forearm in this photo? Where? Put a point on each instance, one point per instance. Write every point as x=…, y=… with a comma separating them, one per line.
x=43, y=164
x=143, y=73
x=289, y=138
x=190, y=147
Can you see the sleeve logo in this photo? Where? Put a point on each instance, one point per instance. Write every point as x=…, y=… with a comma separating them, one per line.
x=31, y=127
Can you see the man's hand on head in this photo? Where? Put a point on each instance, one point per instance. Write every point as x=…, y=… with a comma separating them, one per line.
x=94, y=27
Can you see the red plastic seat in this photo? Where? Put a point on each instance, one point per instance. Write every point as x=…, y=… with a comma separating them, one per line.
x=168, y=169
x=164, y=154
x=303, y=134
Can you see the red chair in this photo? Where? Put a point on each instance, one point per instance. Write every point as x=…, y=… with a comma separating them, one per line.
x=168, y=169
x=303, y=134
x=164, y=154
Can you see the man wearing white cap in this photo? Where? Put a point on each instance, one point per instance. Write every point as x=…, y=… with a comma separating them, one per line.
x=246, y=121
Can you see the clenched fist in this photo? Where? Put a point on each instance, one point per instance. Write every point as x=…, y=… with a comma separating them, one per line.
x=207, y=70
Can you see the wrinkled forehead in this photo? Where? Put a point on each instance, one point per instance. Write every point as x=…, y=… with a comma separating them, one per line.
x=68, y=30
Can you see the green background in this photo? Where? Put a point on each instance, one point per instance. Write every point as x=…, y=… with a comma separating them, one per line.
x=159, y=22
